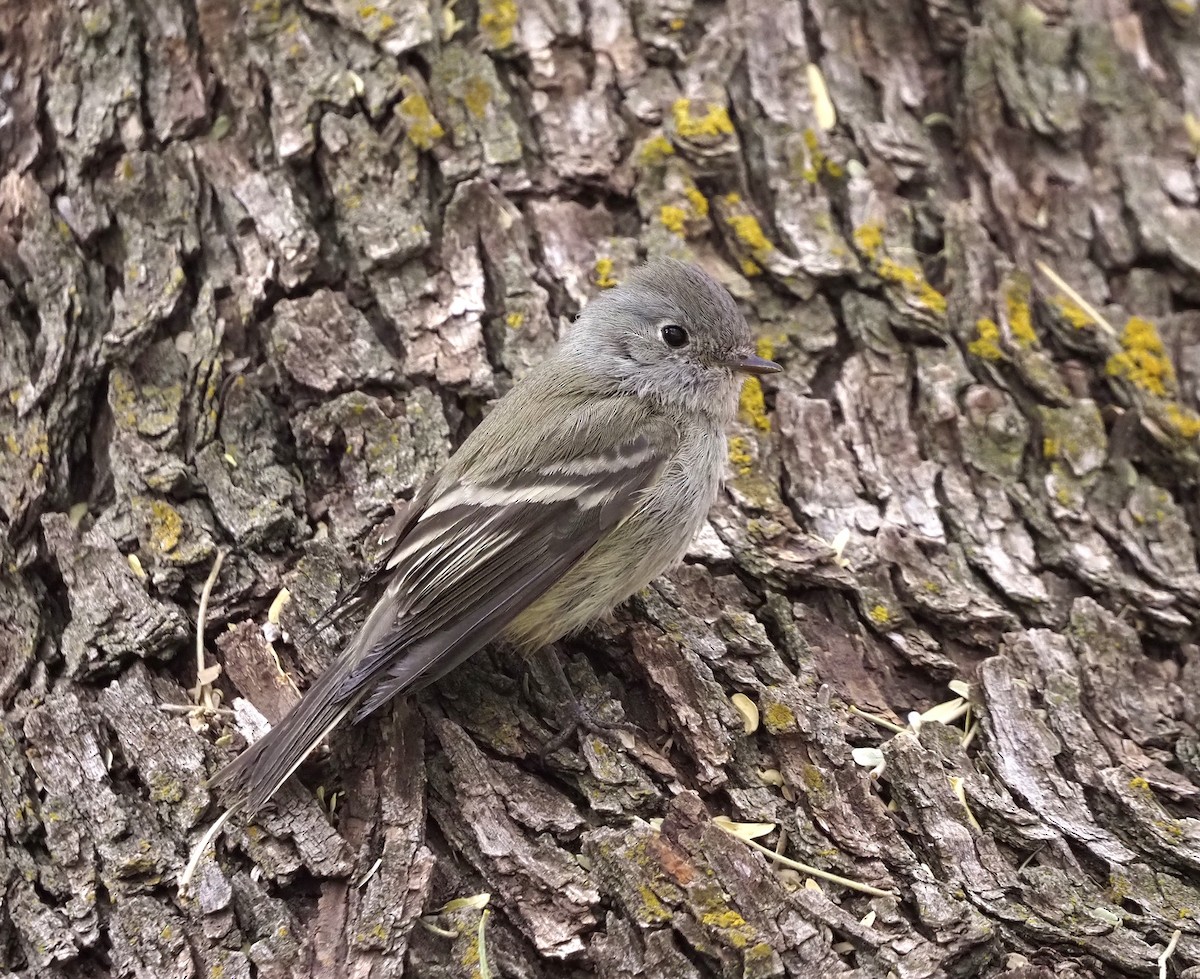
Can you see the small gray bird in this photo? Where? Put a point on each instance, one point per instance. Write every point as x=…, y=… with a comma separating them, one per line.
x=586, y=481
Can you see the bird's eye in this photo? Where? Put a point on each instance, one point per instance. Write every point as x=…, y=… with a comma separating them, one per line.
x=674, y=335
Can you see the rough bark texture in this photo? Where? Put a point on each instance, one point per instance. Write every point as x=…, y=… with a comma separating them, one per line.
x=263, y=263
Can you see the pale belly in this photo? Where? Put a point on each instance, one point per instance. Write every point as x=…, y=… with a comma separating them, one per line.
x=650, y=541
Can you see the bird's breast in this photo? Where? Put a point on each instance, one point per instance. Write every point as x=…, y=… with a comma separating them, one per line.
x=653, y=538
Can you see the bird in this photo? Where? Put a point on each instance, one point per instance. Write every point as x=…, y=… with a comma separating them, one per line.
x=583, y=483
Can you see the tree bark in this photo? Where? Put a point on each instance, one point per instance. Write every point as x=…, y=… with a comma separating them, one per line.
x=263, y=264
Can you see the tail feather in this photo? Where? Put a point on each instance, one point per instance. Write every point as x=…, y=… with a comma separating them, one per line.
x=249, y=781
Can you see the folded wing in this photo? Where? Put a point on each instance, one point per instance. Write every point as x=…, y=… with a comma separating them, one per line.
x=475, y=555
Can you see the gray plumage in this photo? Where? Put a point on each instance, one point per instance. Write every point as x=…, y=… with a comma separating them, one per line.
x=586, y=481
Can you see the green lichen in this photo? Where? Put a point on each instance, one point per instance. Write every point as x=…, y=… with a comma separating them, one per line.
x=477, y=95
x=814, y=781
x=163, y=788
x=122, y=398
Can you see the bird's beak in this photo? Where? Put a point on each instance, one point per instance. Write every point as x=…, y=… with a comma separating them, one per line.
x=753, y=364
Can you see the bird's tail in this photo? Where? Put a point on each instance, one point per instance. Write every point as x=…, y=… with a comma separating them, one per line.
x=249, y=781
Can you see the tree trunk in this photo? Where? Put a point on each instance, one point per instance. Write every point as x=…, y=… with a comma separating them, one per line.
x=263, y=264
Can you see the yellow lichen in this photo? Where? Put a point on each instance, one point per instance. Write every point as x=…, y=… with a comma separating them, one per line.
x=470, y=957
x=750, y=233
x=1020, y=315
x=810, y=163
x=752, y=406
x=778, y=718
x=814, y=782
x=750, y=268
x=656, y=149
x=724, y=919
x=713, y=124
x=673, y=218
x=166, y=526
x=762, y=952
x=1143, y=359
x=868, y=239
x=420, y=125
x=514, y=320
x=1051, y=448
x=734, y=929
x=879, y=614
x=1071, y=311
x=739, y=455
x=653, y=909
x=913, y=281
x=987, y=340
x=765, y=348
x=1183, y=421
x=604, y=273
x=677, y=23
x=497, y=18
x=698, y=201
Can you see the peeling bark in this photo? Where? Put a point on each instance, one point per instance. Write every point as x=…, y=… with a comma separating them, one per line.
x=263, y=265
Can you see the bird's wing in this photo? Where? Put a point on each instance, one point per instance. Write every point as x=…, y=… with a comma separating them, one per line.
x=483, y=547
x=483, y=552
